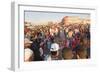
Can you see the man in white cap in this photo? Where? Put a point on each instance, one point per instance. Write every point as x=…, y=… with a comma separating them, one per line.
x=54, y=55
x=28, y=53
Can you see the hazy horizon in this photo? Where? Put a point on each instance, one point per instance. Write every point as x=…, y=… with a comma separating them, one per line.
x=36, y=17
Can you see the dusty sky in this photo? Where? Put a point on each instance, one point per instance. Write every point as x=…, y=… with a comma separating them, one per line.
x=43, y=17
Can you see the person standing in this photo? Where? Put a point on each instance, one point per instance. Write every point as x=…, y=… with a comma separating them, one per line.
x=54, y=52
x=28, y=53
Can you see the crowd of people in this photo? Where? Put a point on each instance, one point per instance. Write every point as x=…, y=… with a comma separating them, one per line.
x=57, y=41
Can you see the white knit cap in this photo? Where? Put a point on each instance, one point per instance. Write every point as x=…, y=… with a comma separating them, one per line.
x=54, y=47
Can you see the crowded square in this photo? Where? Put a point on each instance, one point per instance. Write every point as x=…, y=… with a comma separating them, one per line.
x=68, y=39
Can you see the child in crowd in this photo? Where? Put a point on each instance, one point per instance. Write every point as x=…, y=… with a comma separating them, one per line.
x=67, y=53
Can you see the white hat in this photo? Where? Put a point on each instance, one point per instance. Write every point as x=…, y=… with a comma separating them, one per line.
x=26, y=40
x=54, y=47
